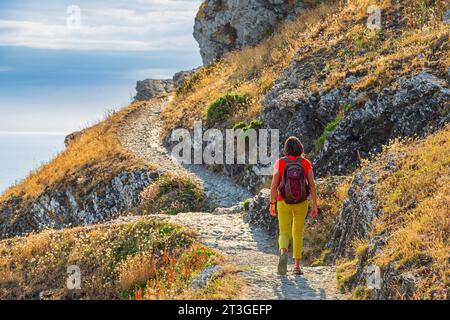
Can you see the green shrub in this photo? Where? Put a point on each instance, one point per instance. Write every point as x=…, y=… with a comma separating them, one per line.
x=327, y=130
x=239, y=125
x=222, y=107
x=254, y=124
x=347, y=106
x=246, y=205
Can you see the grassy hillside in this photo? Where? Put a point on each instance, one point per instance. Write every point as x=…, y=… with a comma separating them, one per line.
x=331, y=42
x=141, y=260
x=95, y=155
x=415, y=201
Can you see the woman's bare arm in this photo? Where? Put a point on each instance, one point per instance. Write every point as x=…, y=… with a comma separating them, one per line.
x=274, y=188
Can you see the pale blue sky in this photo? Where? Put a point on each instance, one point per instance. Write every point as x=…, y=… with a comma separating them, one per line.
x=58, y=79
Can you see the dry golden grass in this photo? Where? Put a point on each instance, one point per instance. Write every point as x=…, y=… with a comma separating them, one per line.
x=332, y=41
x=415, y=201
x=146, y=259
x=97, y=156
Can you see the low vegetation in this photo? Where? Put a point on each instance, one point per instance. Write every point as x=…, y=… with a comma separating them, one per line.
x=145, y=259
x=327, y=130
x=414, y=200
x=223, y=107
x=345, y=274
x=172, y=194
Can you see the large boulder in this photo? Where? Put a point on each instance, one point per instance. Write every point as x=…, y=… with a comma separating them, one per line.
x=151, y=88
x=224, y=25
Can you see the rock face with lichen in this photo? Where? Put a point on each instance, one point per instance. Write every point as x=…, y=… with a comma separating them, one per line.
x=415, y=105
x=69, y=206
x=225, y=25
x=418, y=105
x=356, y=221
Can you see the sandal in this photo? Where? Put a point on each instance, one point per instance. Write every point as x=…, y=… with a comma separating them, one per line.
x=298, y=272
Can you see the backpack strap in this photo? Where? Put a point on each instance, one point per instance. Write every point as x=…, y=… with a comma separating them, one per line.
x=286, y=159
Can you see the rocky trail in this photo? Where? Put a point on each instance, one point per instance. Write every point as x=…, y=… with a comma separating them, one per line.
x=246, y=246
x=141, y=135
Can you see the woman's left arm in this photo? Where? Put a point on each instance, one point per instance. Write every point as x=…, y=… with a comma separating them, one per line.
x=312, y=187
x=274, y=192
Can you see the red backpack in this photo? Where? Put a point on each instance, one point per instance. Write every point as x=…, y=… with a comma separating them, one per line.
x=294, y=186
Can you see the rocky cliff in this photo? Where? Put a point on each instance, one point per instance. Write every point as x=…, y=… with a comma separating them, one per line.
x=68, y=206
x=222, y=26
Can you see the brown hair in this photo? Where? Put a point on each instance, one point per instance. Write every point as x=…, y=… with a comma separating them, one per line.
x=293, y=147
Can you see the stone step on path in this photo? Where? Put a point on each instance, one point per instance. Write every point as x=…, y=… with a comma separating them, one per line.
x=141, y=134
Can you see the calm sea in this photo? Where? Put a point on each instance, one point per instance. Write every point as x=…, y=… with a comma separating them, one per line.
x=22, y=152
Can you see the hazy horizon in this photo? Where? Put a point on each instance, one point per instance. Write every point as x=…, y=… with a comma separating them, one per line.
x=55, y=79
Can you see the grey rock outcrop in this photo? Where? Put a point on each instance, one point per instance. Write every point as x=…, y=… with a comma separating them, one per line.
x=180, y=77
x=207, y=275
x=67, y=207
x=418, y=106
x=356, y=216
x=151, y=88
x=224, y=25
x=72, y=137
x=258, y=213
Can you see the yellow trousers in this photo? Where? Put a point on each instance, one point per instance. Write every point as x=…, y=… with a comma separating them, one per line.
x=291, y=219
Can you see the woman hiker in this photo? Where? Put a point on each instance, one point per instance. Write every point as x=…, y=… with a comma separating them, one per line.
x=292, y=183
